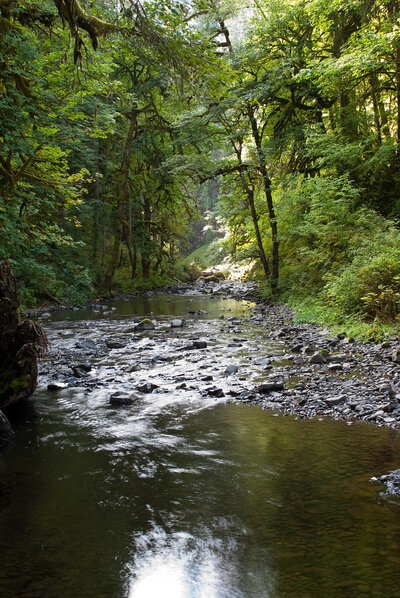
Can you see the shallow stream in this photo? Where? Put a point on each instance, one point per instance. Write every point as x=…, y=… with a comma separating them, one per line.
x=184, y=494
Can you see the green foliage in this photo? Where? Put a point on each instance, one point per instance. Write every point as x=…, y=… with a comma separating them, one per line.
x=370, y=283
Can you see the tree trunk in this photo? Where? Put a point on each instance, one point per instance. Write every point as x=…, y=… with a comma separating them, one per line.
x=122, y=200
x=268, y=194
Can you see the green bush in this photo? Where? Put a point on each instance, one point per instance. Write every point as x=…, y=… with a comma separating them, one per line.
x=370, y=284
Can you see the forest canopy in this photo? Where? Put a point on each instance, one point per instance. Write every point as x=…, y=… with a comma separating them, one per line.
x=127, y=127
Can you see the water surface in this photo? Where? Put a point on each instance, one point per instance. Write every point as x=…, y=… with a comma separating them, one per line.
x=183, y=495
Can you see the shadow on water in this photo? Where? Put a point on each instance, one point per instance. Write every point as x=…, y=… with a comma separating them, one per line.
x=185, y=496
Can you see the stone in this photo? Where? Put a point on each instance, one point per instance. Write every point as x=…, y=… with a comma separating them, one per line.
x=333, y=401
x=317, y=358
x=267, y=387
x=231, y=369
x=215, y=392
x=199, y=345
x=111, y=344
x=86, y=344
x=57, y=385
x=147, y=388
x=85, y=367
x=338, y=358
x=145, y=324
x=396, y=355
x=335, y=367
x=122, y=399
x=177, y=323
x=6, y=431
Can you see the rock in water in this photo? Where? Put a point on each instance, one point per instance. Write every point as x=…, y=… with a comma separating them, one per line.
x=21, y=343
x=6, y=431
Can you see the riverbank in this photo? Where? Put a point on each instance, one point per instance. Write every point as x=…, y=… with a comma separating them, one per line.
x=320, y=375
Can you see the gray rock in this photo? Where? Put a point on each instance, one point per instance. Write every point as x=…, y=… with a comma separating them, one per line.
x=122, y=399
x=111, y=344
x=317, y=358
x=332, y=401
x=335, y=367
x=267, y=387
x=215, y=392
x=57, y=386
x=338, y=358
x=87, y=344
x=199, y=345
x=145, y=325
x=178, y=323
x=396, y=355
x=385, y=345
x=231, y=369
x=147, y=388
x=6, y=431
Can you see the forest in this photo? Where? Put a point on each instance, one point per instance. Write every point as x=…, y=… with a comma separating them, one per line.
x=144, y=142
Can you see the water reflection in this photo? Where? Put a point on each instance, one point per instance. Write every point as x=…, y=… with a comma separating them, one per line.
x=181, y=565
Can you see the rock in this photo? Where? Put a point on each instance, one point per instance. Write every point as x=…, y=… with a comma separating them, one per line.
x=122, y=399
x=111, y=344
x=332, y=401
x=215, y=392
x=21, y=343
x=199, y=345
x=147, y=388
x=85, y=367
x=231, y=369
x=338, y=358
x=385, y=345
x=297, y=348
x=267, y=387
x=161, y=358
x=57, y=385
x=145, y=324
x=177, y=323
x=317, y=358
x=396, y=355
x=335, y=367
x=81, y=370
x=208, y=378
x=391, y=481
x=6, y=431
x=86, y=344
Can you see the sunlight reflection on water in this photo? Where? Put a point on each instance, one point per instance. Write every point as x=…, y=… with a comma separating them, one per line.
x=182, y=566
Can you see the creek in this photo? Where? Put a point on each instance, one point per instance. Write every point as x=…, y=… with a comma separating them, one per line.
x=185, y=494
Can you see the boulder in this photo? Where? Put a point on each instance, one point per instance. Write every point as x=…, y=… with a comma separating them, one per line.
x=267, y=387
x=6, y=431
x=145, y=324
x=396, y=355
x=231, y=369
x=122, y=399
x=317, y=358
x=177, y=323
x=147, y=388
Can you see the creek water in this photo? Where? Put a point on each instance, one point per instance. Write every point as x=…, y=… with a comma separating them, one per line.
x=184, y=495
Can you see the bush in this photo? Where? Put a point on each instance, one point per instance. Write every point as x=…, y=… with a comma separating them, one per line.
x=370, y=284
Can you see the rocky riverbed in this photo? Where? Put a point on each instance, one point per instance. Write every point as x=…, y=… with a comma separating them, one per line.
x=259, y=356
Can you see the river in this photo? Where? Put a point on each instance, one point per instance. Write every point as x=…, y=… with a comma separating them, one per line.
x=184, y=494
